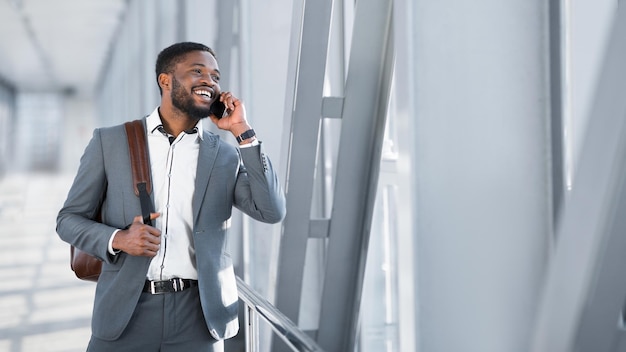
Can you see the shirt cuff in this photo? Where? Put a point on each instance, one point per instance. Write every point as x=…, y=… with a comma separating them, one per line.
x=254, y=143
x=111, y=250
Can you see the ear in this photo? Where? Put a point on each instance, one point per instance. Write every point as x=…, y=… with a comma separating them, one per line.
x=164, y=81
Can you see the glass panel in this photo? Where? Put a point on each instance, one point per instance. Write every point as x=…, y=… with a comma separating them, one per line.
x=383, y=327
x=39, y=114
x=379, y=327
x=379, y=306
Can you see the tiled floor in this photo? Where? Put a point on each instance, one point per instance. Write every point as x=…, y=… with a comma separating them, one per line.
x=43, y=306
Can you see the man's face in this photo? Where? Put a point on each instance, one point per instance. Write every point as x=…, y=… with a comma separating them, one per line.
x=195, y=84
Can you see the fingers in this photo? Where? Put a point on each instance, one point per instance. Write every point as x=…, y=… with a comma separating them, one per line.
x=148, y=219
x=229, y=100
x=146, y=244
x=139, y=218
x=154, y=215
x=142, y=239
x=151, y=245
x=235, y=112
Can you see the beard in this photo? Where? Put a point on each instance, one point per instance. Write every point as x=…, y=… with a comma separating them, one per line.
x=184, y=101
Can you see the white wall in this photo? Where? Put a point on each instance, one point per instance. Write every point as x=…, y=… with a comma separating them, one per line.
x=479, y=144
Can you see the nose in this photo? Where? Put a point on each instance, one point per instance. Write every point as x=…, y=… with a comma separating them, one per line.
x=213, y=84
x=208, y=80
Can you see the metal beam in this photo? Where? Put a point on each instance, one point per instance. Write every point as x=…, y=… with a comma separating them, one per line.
x=226, y=39
x=332, y=107
x=556, y=106
x=302, y=123
x=363, y=123
x=318, y=228
x=586, y=287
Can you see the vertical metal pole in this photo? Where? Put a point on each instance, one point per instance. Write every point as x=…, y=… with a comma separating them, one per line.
x=252, y=330
x=248, y=329
x=181, y=20
x=302, y=123
x=226, y=40
x=367, y=91
x=556, y=107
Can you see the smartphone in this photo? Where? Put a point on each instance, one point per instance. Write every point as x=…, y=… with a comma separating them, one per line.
x=217, y=109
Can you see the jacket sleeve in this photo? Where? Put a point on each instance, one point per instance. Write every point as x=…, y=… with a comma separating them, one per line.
x=258, y=192
x=75, y=221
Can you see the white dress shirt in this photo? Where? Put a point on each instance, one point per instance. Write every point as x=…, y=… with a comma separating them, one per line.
x=173, y=167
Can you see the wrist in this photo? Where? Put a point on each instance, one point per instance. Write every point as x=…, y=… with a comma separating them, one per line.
x=112, y=247
x=239, y=128
x=246, y=137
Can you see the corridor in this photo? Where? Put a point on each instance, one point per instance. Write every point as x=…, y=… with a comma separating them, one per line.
x=43, y=306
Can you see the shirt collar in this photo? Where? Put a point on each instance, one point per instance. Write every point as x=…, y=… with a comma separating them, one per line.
x=153, y=121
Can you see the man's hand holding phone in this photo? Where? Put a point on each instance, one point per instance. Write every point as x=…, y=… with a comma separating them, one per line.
x=234, y=118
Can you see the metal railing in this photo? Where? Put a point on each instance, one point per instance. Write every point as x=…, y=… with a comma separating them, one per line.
x=258, y=307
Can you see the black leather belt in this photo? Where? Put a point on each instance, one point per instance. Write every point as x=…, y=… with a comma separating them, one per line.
x=173, y=285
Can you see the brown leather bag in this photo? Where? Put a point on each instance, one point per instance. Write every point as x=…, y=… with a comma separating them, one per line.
x=87, y=267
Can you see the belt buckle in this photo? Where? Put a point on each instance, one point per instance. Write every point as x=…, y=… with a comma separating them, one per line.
x=178, y=284
x=152, y=288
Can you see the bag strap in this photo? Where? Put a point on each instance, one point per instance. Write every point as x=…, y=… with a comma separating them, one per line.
x=138, y=149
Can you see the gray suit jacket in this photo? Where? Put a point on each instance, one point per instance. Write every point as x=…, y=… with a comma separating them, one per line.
x=104, y=176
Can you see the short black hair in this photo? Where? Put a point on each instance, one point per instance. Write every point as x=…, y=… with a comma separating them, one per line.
x=173, y=54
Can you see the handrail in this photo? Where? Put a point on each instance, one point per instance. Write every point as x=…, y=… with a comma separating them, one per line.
x=282, y=326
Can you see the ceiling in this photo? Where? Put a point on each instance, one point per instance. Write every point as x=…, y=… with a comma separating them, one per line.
x=57, y=45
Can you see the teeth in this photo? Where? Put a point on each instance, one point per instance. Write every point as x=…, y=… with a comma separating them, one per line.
x=204, y=92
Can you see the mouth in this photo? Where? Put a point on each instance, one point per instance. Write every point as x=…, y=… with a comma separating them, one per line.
x=205, y=94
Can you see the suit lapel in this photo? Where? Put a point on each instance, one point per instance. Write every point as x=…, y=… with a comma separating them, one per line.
x=206, y=159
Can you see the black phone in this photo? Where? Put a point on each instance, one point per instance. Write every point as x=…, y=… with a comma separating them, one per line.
x=217, y=109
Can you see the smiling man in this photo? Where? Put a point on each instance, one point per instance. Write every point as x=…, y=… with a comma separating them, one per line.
x=171, y=286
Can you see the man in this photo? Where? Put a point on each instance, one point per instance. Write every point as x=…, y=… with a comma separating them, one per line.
x=170, y=287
